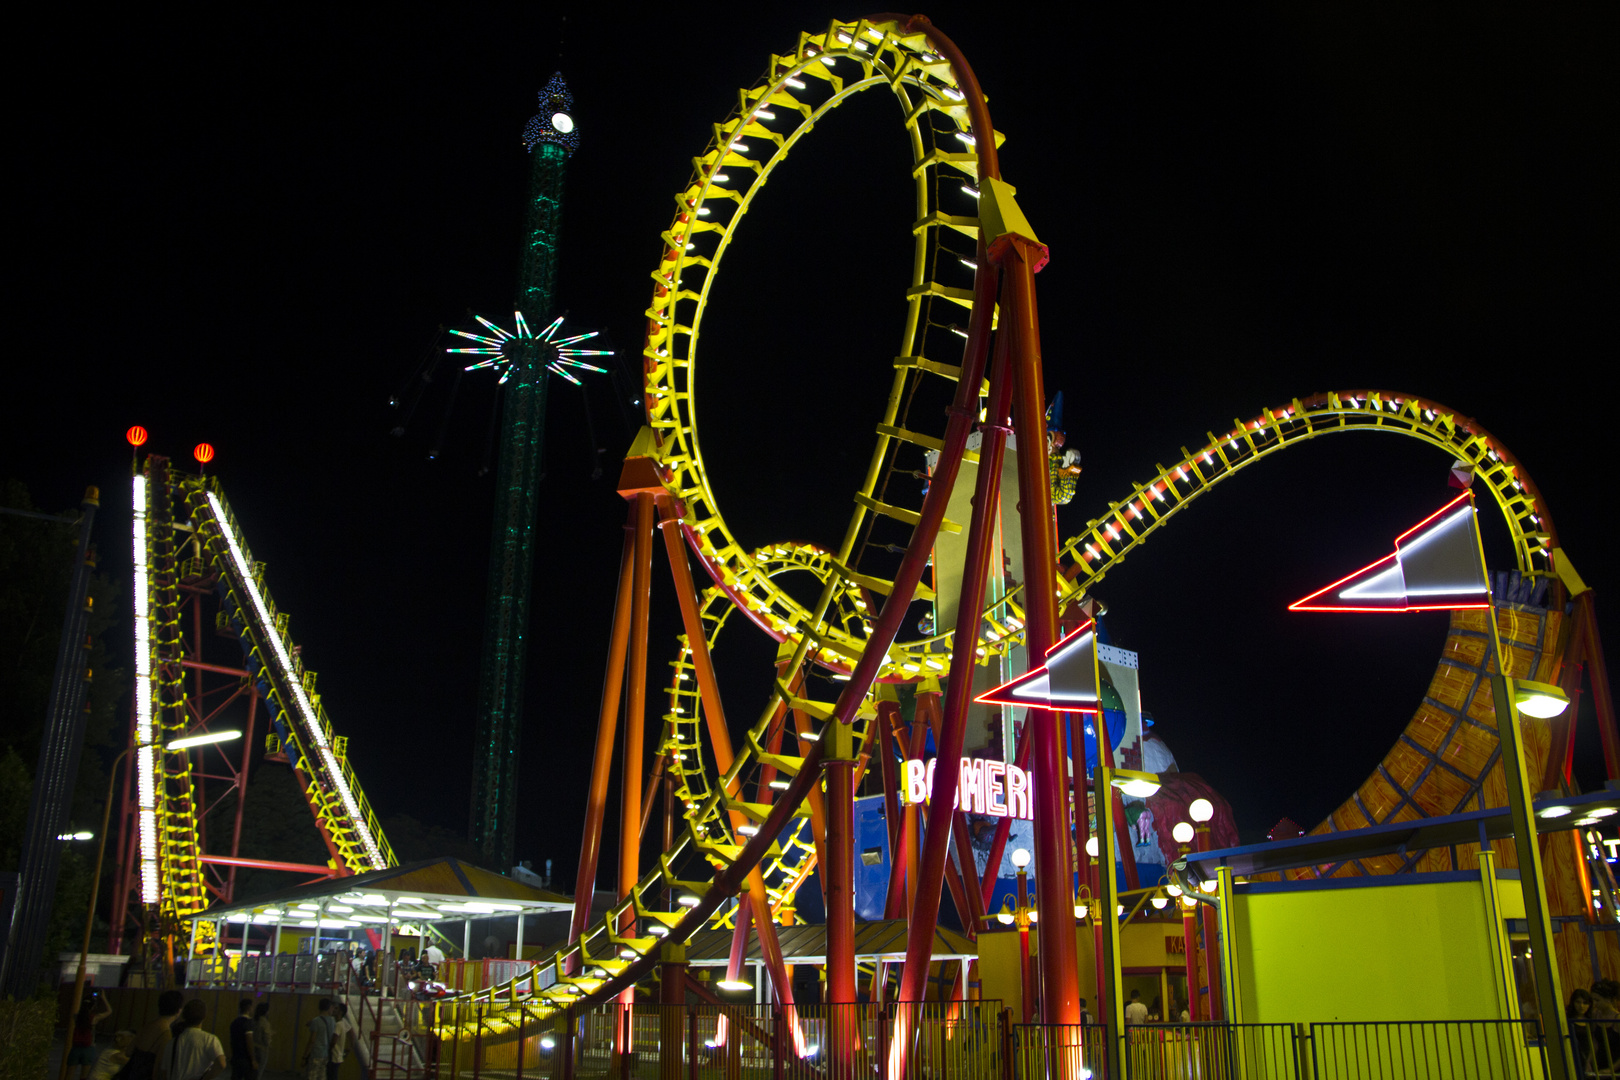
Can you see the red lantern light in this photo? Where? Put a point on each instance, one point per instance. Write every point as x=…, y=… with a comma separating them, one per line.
x=204, y=453
x=136, y=435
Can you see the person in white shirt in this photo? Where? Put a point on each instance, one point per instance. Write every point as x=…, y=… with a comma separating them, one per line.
x=340, y=1040
x=433, y=955
x=194, y=1054
x=1136, y=1012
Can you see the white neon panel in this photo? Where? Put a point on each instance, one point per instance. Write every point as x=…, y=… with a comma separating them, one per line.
x=145, y=759
x=306, y=710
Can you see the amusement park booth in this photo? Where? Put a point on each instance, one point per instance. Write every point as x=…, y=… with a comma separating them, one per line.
x=1309, y=935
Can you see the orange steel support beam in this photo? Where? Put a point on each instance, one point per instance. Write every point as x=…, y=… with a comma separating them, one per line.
x=590, y=844
x=1060, y=988
x=714, y=717
x=635, y=713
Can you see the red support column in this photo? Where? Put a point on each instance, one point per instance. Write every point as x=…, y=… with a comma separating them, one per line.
x=635, y=719
x=839, y=768
x=241, y=791
x=1060, y=988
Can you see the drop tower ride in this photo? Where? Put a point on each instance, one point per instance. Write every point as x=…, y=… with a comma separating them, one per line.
x=526, y=362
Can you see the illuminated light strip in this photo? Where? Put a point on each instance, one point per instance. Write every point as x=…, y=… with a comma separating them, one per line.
x=307, y=711
x=145, y=758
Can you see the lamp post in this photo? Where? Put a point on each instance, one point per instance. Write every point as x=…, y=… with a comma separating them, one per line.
x=101, y=850
x=1184, y=835
x=1140, y=784
x=1202, y=811
x=1023, y=915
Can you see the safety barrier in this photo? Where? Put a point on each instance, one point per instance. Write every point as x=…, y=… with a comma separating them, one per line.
x=1038, y=1051
x=1428, y=1050
x=1188, y=1051
x=1596, y=1047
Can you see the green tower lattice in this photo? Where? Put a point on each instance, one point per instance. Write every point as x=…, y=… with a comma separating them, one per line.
x=527, y=362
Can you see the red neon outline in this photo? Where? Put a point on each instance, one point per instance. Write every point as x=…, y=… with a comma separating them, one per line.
x=1465, y=495
x=1297, y=604
x=1301, y=604
x=1066, y=638
x=987, y=697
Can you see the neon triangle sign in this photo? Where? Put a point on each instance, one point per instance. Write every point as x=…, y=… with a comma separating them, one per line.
x=1436, y=566
x=1067, y=682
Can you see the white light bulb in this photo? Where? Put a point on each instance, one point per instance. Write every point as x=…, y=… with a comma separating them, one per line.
x=562, y=122
x=1020, y=858
x=1200, y=810
x=1091, y=846
x=1183, y=832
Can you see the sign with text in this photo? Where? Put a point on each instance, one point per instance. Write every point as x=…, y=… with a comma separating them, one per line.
x=994, y=788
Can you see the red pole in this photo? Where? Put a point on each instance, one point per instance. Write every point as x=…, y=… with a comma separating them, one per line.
x=1212, y=955
x=241, y=793
x=1025, y=990
x=590, y=844
x=840, y=771
x=976, y=570
x=1060, y=989
x=636, y=706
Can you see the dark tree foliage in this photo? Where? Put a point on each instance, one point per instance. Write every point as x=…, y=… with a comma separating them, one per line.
x=36, y=559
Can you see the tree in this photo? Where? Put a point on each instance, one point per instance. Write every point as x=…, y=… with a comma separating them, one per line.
x=36, y=561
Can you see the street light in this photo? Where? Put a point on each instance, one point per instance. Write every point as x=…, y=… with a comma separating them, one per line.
x=1540, y=700
x=1023, y=915
x=184, y=743
x=1201, y=810
x=1101, y=847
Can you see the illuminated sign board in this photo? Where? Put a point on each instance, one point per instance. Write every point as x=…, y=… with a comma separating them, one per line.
x=994, y=788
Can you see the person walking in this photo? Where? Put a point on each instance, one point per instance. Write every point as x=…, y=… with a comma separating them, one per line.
x=152, y=1041
x=193, y=1054
x=1136, y=1012
x=341, y=1030
x=263, y=1033
x=319, y=1051
x=243, y=1064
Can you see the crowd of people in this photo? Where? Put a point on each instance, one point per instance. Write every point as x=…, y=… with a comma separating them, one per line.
x=176, y=1046
x=1594, y=1017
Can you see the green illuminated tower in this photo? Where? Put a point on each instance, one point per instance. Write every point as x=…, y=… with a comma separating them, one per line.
x=525, y=361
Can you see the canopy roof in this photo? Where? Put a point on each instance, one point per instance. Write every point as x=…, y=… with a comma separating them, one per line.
x=434, y=890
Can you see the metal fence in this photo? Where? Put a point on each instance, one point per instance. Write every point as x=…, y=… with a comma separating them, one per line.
x=1056, y=1051
x=1428, y=1050
x=1395, y=1050
x=827, y=1042
x=1212, y=1051
x=1596, y=1047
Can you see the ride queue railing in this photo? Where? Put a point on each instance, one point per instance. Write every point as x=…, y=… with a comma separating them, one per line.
x=1393, y=1050
x=1428, y=1050
x=1595, y=1045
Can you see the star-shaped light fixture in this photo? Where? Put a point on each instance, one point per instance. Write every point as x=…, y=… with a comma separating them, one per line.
x=505, y=350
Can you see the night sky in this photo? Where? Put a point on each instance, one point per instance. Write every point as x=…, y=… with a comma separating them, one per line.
x=250, y=234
